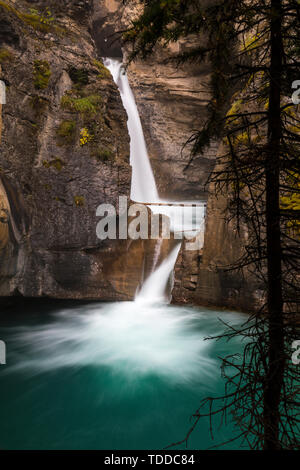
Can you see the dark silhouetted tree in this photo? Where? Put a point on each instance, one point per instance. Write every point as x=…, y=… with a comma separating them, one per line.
x=253, y=51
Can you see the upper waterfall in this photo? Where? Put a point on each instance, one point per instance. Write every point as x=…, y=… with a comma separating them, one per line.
x=143, y=187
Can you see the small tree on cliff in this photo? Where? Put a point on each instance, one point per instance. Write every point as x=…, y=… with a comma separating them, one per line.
x=253, y=48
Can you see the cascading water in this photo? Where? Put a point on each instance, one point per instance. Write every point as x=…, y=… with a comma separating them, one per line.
x=143, y=187
x=154, y=288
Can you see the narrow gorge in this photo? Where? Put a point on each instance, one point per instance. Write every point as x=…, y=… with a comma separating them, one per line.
x=141, y=228
x=52, y=186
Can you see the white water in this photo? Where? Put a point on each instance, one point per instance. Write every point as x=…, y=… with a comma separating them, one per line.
x=131, y=339
x=154, y=288
x=143, y=187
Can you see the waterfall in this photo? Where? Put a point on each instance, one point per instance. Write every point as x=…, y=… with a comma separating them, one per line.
x=157, y=251
x=143, y=187
x=154, y=288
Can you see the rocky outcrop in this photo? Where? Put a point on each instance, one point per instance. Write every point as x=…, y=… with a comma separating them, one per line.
x=64, y=151
x=206, y=277
x=218, y=284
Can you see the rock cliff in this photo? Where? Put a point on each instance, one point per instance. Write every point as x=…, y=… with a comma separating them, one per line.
x=64, y=151
x=205, y=277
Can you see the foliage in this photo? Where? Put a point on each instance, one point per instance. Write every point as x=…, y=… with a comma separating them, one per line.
x=103, y=154
x=5, y=55
x=56, y=163
x=42, y=74
x=67, y=131
x=79, y=76
x=103, y=71
x=44, y=17
x=85, y=136
x=87, y=106
x=42, y=21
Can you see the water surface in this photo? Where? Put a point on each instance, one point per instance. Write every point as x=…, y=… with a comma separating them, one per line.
x=110, y=375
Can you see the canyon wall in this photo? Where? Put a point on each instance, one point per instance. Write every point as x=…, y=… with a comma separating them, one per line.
x=64, y=151
x=206, y=277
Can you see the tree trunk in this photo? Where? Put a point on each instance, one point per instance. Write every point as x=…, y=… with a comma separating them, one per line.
x=275, y=371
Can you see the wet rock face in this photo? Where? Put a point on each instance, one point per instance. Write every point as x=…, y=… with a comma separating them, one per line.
x=172, y=103
x=205, y=277
x=106, y=17
x=64, y=151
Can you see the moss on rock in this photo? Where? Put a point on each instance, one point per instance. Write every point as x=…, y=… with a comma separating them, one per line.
x=42, y=74
x=66, y=132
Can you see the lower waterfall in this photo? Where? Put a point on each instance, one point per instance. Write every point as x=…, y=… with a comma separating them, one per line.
x=154, y=288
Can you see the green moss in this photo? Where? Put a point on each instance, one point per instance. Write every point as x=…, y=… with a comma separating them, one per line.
x=42, y=74
x=103, y=71
x=103, y=154
x=79, y=76
x=5, y=55
x=67, y=131
x=32, y=18
x=42, y=21
x=79, y=201
x=56, y=163
x=38, y=104
x=34, y=21
x=86, y=106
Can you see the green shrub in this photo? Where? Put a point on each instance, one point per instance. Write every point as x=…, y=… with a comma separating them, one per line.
x=56, y=163
x=103, y=154
x=38, y=104
x=5, y=55
x=45, y=17
x=79, y=76
x=103, y=71
x=42, y=21
x=42, y=74
x=86, y=106
x=67, y=131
